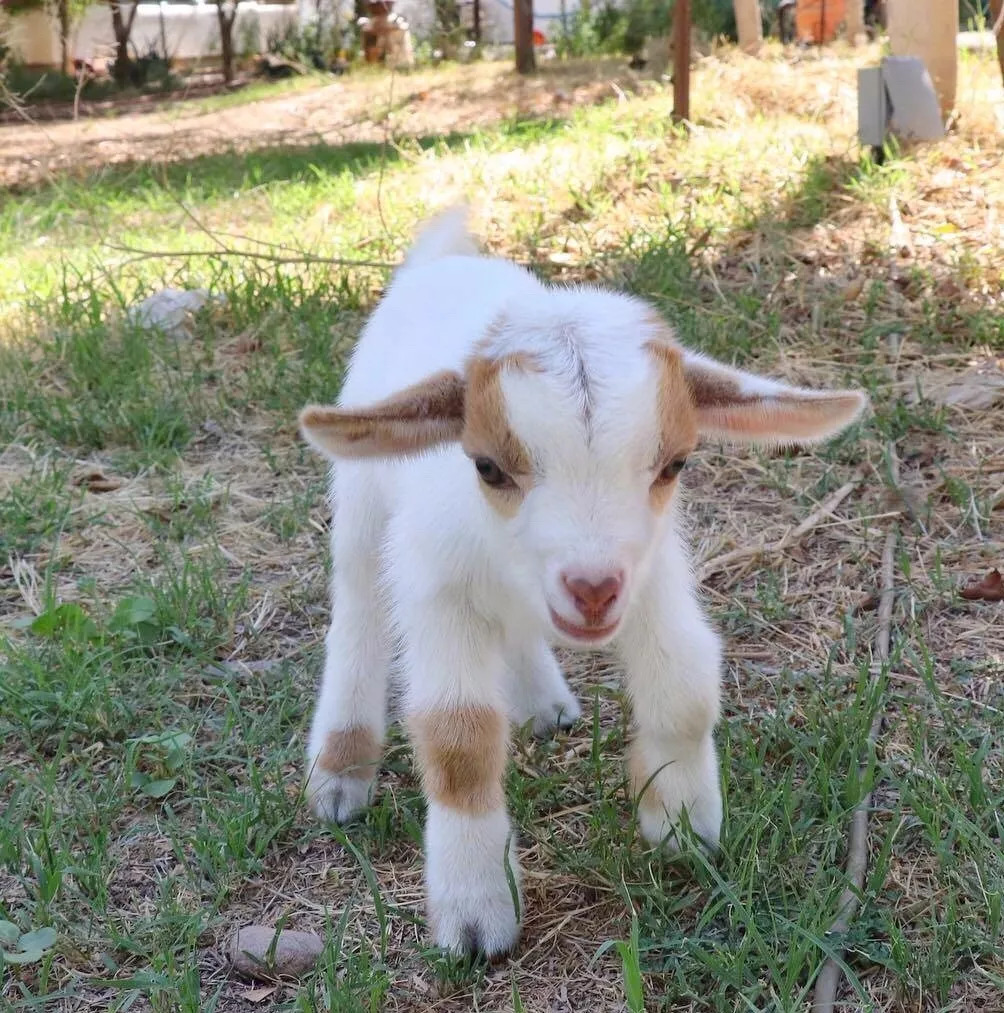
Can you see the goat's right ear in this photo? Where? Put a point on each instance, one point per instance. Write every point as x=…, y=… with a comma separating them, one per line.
x=415, y=419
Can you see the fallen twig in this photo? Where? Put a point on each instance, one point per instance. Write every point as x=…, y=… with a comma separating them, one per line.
x=274, y=258
x=713, y=565
x=857, y=841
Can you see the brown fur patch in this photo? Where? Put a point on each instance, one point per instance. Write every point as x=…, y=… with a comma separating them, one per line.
x=462, y=755
x=677, y=417
x=723, y=409
x=487, y=432
x=352, y=752
x=414, y=419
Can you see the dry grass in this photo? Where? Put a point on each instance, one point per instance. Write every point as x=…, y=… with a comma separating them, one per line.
x=761, y=234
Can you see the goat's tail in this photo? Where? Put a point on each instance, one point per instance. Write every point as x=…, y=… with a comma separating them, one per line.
x=445, y=235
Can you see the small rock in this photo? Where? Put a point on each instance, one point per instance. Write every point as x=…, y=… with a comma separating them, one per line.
x=169, y=310
x=295, y=952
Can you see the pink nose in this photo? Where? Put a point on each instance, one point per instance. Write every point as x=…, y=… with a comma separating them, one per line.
x=593, y=599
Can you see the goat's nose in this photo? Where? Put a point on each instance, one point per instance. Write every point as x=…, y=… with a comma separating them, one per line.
x=594, y=599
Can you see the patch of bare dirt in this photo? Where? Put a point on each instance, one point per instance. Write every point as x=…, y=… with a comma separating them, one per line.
x=424, y=103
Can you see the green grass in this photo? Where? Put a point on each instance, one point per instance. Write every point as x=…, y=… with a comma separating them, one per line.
x=159, y=641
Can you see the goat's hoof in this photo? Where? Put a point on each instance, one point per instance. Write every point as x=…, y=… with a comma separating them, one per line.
x=558, y=715
x=336, y=798
x=662, y=831
x=491, y=933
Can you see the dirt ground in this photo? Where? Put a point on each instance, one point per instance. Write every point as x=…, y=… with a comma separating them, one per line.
x=355, y=109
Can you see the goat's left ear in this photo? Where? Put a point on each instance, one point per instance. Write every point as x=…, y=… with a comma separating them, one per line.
x=415, y=419
x=741, y=407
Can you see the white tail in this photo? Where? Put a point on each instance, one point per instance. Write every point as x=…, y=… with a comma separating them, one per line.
x=446, y=235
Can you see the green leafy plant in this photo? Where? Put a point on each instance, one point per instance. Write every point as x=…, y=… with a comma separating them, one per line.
x=155, y=760
x=24, y=948
x=132, y=620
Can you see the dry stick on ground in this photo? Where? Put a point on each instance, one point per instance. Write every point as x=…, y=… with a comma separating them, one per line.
x=717, y=563
x=274, y=258
x=857, y=843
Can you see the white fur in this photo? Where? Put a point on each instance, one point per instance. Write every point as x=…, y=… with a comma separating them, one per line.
x=472, y=875
x=419, y=550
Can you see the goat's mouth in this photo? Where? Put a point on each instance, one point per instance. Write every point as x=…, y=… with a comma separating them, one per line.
x=586, y=634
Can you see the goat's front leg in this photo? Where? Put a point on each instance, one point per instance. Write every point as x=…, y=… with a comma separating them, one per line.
x=347, y=729
x=672, y=659
x=459, y=726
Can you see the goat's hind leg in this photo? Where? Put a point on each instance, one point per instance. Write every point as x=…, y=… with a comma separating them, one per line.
x=537, y=689
x=347, y=732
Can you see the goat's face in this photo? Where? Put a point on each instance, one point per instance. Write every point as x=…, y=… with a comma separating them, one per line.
x=578, y=461
x=577, y=426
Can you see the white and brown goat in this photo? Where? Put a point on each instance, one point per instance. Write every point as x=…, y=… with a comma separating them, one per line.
x=506, y=458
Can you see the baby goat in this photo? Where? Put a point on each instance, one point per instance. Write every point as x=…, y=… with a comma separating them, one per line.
x=507, y=462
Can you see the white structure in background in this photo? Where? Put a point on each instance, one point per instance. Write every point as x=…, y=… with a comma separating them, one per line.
x=186, y=31
x=189, y=30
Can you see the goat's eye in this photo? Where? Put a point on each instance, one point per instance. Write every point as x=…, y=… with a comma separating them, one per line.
x=491, y=474
x=671, y=470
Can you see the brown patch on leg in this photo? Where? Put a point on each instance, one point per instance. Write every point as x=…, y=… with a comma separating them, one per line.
x=462, y=755
x=352, y=752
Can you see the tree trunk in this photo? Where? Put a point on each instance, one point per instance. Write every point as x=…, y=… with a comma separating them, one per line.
x=122, y=27
x=748, y=25
x=681, y=60
x=996, y=15
x=854, y=21
x=63, y=13
x=226, y=22
x=526, y=60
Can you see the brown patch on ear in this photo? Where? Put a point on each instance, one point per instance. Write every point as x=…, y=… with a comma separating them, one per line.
x=424, y=415
x=462, y=755
x=712, y=389
x=352, y=752
x=782, y=416
x=677, y=418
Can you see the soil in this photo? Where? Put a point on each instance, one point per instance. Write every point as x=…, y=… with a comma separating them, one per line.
x=353, y=109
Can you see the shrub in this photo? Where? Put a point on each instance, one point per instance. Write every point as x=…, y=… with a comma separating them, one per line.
x=624, y=27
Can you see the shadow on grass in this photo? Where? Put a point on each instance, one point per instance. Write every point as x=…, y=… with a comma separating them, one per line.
x=209, y=177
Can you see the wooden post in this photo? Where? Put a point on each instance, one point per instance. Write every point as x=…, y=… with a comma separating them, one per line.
x=997, y=24
x=477, y=21
x=522, y=12
x=681, y=60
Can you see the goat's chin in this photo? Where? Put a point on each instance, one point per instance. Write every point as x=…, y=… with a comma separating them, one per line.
x=572, y=635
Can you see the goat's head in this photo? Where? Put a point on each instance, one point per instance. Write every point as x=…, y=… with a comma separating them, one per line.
x=578, y=416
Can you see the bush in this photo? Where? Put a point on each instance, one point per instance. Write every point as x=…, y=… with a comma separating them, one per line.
x=313, y=44
x=624, y=27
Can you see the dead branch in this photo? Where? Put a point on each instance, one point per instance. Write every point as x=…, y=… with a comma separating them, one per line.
x=792, y=536
x=225, y=251
x=857, y=840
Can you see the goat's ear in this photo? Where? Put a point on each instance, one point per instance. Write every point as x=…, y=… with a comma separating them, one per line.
x=413, y=420
x=741, y=407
